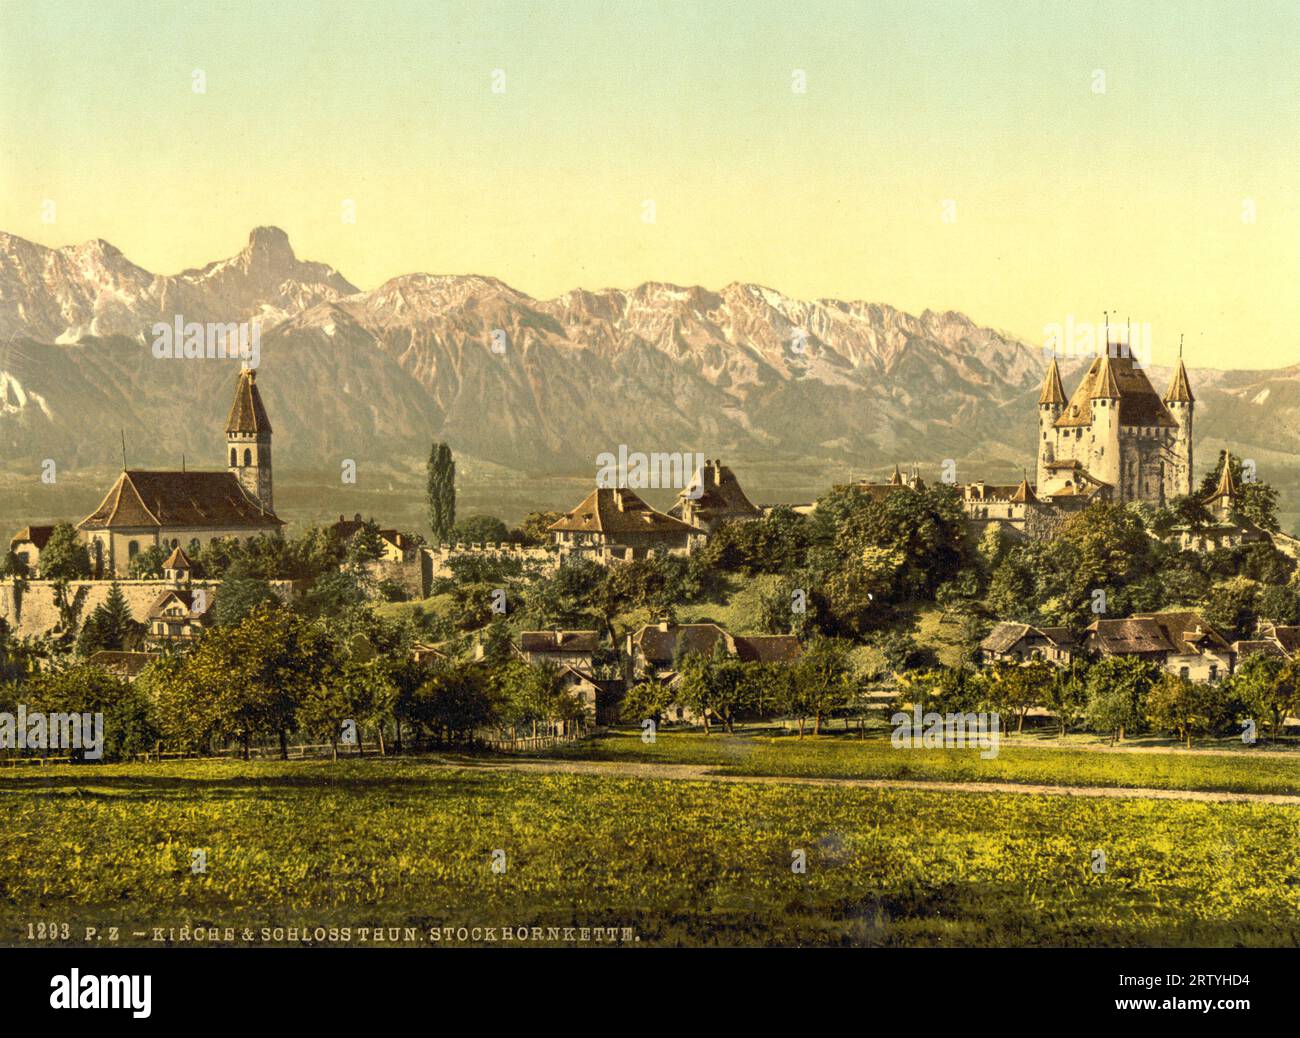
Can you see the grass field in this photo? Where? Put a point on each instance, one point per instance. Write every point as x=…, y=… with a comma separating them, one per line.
x=408, y=843
x=844, y=755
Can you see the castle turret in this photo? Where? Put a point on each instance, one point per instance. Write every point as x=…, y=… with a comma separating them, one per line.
x=248, y=440
x=1224, y=499
x=1051, y=402
x=1181, y=405
x=1104, y=401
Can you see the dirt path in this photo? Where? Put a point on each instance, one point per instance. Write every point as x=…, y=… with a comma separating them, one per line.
x=706, y=773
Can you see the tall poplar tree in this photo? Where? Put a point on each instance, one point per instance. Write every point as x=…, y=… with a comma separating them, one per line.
x=442, y=492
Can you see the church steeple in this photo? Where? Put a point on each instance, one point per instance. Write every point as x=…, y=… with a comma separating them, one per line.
x=248, y=440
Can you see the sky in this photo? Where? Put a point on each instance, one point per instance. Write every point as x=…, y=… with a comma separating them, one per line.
x=1029, y=164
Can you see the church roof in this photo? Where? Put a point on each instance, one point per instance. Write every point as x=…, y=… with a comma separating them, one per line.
x=1053, y=392
x=896, y=478
x=178, y=499
x=1180, y=389
x=615, y=510
x=247, y=415
x=1117, y=378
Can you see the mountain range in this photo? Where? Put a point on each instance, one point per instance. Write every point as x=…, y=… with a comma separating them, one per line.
x=536, y=386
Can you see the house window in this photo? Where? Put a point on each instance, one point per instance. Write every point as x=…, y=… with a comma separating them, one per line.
x=1184, y=672
x=1214, y=672
x=132, y=549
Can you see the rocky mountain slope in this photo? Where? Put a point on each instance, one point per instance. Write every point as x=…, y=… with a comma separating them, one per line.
x=534, y=385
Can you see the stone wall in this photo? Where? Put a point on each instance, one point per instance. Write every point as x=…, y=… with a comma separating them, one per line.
x=32, y=612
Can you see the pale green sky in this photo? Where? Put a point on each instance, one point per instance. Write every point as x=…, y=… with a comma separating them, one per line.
x=1068, y=201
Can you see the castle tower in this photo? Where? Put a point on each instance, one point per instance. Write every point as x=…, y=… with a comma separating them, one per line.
x=1051, y=402
x=248, y=440
x=1181, y=404
x=1103, y=453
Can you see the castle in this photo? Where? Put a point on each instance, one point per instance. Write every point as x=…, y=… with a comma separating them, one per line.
x=1115, y=434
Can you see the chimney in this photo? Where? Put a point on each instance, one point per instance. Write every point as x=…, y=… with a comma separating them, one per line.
x=618, y=498
x=663, y=626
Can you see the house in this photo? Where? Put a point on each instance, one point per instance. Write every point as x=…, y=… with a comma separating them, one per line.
x=395, y=546
x=1022, y=643
x=713, y=497
x=168, y=509
x=563, y=648
x=180, y=613
x=126, y=665
x=1271, y=640
x=654, y=650
x=1180, y=641
x=613, y=522
x=27, y=544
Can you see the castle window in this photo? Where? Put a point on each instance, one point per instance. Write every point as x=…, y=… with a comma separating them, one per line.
x=132, y=549
x=233, y=459
x=248, y=456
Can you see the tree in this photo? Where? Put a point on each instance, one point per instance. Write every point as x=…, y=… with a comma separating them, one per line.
x=128, y=725
x=147, y=564
x=1016, y=688
x=480, y=529
x=1268, y=686
x=366, y=545
x=1118, y=687
x=110, y=626
x=824, y=679
x=535, y=529
x=239, y=595
x=1180, y=706
x=65, y=557
x=442, y=493
x=1067, y=695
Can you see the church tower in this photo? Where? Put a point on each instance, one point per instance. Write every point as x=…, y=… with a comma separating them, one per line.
x=1051, y=402
x=248, y=440
x=1181, y=404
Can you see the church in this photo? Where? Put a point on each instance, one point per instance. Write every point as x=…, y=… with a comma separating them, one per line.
x=170, y=510
x=1116, y=434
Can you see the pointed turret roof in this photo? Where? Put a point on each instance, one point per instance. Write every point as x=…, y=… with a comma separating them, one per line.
x=896, y=480
x=1105, y=386
x=1025, y=493
x=178, y=560
x=1180, y=389
x=247, y=415
x=1053, y=392
x=1227, y=486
